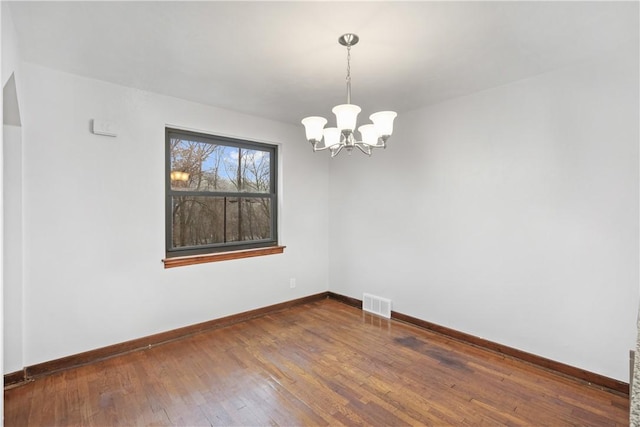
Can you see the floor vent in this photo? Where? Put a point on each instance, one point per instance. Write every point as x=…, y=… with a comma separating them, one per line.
x=376, y=305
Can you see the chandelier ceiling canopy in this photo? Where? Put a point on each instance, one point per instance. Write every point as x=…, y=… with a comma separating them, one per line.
x=373, y=135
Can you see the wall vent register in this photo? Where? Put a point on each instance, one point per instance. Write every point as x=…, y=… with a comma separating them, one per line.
x=376, y=305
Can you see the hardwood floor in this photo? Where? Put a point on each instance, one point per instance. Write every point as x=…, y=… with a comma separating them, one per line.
x=322, y=363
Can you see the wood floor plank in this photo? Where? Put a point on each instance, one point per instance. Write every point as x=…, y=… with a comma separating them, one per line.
x=324, y=363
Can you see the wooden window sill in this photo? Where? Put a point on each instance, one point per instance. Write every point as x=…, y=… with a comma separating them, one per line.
x=221, y=256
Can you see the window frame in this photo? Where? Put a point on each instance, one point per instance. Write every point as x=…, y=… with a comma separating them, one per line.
x=226, y=247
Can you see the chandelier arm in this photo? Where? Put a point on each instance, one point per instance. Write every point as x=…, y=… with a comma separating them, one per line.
x=316, y=148
x=366, y=149
x=381, y=144
x=336, y=151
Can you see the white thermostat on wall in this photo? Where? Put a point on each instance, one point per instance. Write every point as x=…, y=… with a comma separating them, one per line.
x=103, y=127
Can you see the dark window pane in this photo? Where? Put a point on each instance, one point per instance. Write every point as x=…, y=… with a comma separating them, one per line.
x=248, y=219
x=232, y=212
x=255, y=218
x=212, y=220
x=197, y=221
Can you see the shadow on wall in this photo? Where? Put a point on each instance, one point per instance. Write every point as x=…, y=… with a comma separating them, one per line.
x=11, y=112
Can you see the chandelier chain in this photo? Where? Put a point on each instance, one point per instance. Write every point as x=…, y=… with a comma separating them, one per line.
x=349, y=74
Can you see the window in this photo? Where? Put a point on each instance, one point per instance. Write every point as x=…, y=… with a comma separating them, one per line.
x=220, y=194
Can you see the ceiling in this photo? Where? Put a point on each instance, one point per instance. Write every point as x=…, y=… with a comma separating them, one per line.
x=282, y=61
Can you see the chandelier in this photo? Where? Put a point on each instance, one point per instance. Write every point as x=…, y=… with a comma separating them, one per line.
x=373, y=135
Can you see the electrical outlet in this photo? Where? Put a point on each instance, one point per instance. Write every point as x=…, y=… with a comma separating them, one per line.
x=292, y=282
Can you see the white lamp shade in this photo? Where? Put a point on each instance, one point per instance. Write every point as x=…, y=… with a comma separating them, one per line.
x=346, y=116
x=369, y=134
x=331, y=136
x=313, y=127
x=383, y=121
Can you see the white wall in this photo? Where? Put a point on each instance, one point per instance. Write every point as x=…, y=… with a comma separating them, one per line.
x=12, y=256
x=11, y=210
x=94, y=219
x=511, y=214
x=10, y=52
